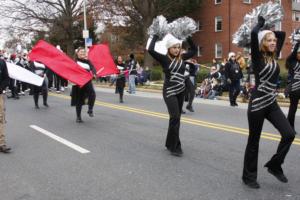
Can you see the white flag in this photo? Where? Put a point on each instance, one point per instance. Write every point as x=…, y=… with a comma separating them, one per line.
x=24, y=75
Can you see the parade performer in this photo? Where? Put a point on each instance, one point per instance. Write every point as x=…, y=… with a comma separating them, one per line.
x=13, y=82
x=189, y=85
x=41, y=70
x=265, y=48
x=79, y=94
x=293, y=66
x=4, y=81
x=172, y=62
x=121, y=80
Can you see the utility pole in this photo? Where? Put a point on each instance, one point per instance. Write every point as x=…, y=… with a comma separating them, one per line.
x=85, y=32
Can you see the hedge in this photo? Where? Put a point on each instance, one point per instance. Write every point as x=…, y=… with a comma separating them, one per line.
x=157, y=74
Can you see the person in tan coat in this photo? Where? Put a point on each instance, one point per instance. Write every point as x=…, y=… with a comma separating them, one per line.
x=241, y=60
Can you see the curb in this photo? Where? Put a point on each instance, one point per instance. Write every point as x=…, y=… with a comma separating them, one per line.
x=280, y=101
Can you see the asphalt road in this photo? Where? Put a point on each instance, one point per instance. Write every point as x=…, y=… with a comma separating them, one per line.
x=120, y=153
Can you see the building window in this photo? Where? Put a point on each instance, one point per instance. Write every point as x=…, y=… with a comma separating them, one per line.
x=218, y=50
x=247, y=1
x=200, y=26
x=296, y=16
x=218, y=1
x=200, y=50
x=218, y=23
x=278, y=26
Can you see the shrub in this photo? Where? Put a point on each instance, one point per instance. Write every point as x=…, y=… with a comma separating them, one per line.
x=156, y=73
x=202, y=74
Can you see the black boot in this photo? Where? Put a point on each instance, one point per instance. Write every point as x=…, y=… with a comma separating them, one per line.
x=36, y=100
x=252, y=184
x=121, y=98
x=78, y=114
x=190, y=108
x=177, y=152
x=78, y=119
x=90, y=112
x=45, y=97
x=278, y=173
x=5, y=149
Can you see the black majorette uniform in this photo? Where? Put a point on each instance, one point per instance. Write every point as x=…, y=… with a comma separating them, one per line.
x=13, y=84
x=78, y=95
x=121, y=81
x=41, y=70
x=189, y=86
x=294, y=91
x=263, y=105
x=173, y=90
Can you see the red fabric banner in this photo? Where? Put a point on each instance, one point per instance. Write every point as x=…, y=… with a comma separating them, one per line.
x=59, y=63
x=102, y=60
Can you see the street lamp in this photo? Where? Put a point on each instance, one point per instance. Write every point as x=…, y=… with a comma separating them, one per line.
x=85, y=32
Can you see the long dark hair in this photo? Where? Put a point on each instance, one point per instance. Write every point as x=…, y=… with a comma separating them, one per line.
x=77, y=50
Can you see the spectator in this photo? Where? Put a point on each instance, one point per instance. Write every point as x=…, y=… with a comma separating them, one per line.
x=147, y=74
x=213, y=78
x=132, y=67
x=233, y=75
x=241, y=60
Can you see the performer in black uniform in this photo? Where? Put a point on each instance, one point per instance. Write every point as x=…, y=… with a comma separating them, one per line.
x=173, y=89
x=190, y=84
x=87, y=91
x=293, y=65
x=121, y=80
x=13, y=82
x=40, y=69
x=265, y=46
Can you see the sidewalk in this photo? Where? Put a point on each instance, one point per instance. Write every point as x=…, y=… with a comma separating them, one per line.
x=157, y=88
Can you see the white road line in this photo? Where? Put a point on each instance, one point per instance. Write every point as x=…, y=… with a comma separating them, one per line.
x=61, y=140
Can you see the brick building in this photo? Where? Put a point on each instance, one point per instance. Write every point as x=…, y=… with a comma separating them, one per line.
x=220, y=19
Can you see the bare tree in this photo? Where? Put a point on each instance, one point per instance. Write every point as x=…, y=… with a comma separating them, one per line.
x=43, y=16
x=138, y=14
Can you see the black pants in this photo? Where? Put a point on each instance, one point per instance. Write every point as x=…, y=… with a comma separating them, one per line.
x=256, y=119
x=120, y=90
x=120, y=84
x=21, y=86
x=294, y=100
x=13, y=88
x=190, y=91
x=36, y=93
x=57, y=82
x=234, y=91
x=87, y=90
x=50, y=84
x=174, y=105
x=64, y=82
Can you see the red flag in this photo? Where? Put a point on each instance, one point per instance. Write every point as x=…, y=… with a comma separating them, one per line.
x=102, y=60
x=59, y=63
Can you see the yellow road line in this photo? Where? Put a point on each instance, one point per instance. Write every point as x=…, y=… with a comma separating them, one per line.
x=196, y=122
